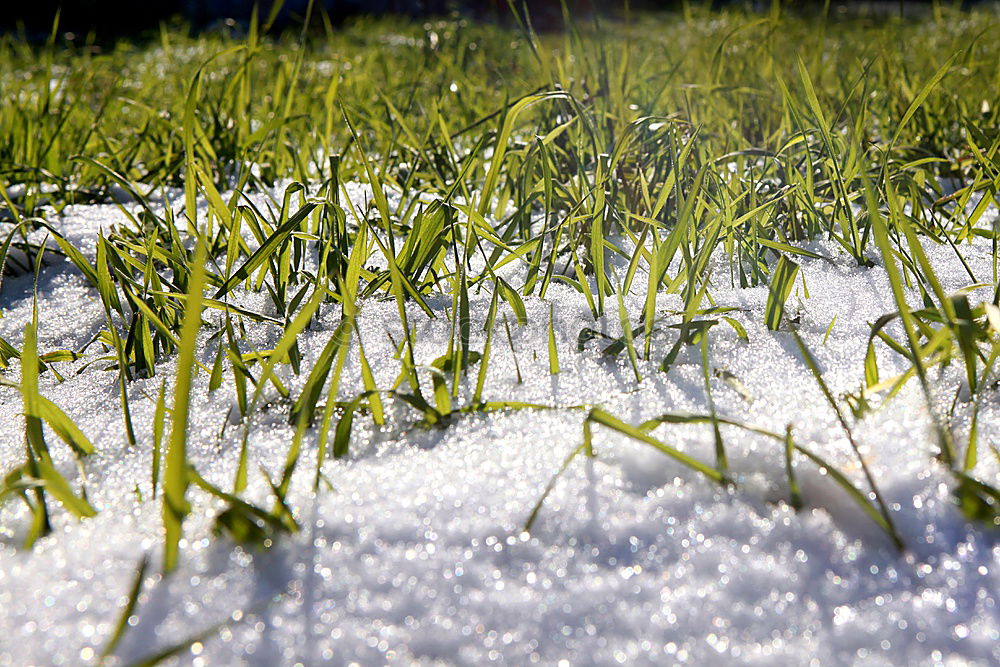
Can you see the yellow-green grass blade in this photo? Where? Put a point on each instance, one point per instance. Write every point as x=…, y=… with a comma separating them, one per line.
x=175, y=473
x=782, y=281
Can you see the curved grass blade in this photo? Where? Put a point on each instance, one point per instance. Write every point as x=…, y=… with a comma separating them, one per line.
x=856, y=495
x=53, y=480
x=599, y=416
x=885, y=518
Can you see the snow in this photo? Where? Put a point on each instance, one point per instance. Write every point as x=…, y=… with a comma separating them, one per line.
x=417, y=552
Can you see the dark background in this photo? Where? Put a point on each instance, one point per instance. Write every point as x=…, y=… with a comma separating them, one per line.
x=106, y=20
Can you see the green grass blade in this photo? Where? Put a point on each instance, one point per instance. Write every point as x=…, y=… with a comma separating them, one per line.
x=782, y=281
x=599, y=416
x=921, y=96
x=175, y=472
x=795, y=495
x=54, y=482
x=882, y=510
x=123, y=619
x=859, y=498
x=553, y=351
x=720, y=450
x=159, y=420
x=266, y=249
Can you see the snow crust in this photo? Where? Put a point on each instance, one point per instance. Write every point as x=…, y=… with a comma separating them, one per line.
x=417, y=552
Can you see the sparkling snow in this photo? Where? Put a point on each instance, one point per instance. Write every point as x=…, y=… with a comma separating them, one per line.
x=417, y=552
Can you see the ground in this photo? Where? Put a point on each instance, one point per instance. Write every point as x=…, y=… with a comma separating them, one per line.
x=559, y=363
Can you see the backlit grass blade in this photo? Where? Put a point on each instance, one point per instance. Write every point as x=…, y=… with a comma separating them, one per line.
x=340, y=358
x=691, y=418
x=881, y=235
x=502, y=141
x=977, y=499
x=280, y=352
x=720, y=451
x=487, y=349
x=342, y=435
x=266, y=249
x=795, y=495
x=175, y=473
x=514, y=300
x=627, y=337
x=859, y=498
x=159, y=421
x=112, y=305
x=305, y=405
x=782, y=281
x=885, y=518
x=530, y=521
x=131, y=601
x=513, y=352
x=185, y=644
x=54, y=482
x=971, y=450
x=64, y=427
x=553, y=351
x=921, y=96
x=7, y=352
x=599, y=416
x=374, y=402
x=215, y=377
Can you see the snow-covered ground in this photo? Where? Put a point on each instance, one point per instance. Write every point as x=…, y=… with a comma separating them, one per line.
x=417, y=552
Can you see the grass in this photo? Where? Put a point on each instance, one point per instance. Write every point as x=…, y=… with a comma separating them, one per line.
x=714, y=134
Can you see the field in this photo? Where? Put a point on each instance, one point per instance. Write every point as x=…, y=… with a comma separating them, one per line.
x=664, y=338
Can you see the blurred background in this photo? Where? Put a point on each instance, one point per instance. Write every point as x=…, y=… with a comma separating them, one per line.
x=101, y=21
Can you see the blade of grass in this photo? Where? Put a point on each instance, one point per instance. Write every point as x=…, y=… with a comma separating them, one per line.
x=175, y=473
x=885, y=520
